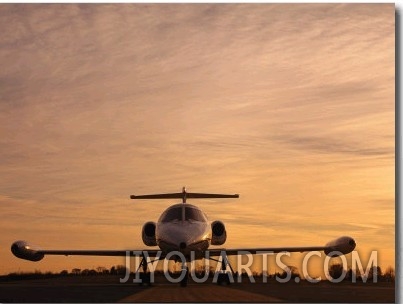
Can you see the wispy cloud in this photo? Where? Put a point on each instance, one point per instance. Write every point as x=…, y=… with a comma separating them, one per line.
x=327, y=145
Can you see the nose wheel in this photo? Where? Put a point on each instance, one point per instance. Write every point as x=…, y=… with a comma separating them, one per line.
x=185, y=270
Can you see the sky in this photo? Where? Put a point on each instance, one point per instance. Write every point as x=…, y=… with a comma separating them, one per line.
x=291, y=106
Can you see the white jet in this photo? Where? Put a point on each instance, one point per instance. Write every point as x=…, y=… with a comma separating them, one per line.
x=183, y=228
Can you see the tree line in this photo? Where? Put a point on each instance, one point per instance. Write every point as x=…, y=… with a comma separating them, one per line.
x=335, y=270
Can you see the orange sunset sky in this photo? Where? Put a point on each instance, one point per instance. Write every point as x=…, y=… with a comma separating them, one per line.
x=291, y=106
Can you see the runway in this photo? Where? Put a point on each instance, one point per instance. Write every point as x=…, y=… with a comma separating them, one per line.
x=107, y=289
x=196, y=293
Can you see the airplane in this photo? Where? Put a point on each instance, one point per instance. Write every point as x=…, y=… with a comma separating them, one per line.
x=184, y=228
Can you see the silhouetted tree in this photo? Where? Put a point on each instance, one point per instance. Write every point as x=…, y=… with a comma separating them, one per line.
x=375, y=272
x=113, y=270
x=336, y=271
x=121, y=269
x=85, y=272
x=105, y=271
x=76, y=271
x=349, y=275
x=291, y=271
x=389, y=274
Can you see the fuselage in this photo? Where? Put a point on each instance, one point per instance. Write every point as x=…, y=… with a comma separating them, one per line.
x=184, y=228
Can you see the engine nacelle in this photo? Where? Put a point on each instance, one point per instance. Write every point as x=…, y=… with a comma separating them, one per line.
x=23, y=250
x=148, y=234
x=219, y=234
x=344, y=244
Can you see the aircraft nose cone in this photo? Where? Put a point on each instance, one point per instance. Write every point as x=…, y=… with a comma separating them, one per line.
x=181, y=236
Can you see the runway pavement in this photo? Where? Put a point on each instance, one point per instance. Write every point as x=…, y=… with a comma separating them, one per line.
x=196, y=293
x=107, y=289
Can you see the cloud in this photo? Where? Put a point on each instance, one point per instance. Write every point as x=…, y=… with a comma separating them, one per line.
x=336, y=146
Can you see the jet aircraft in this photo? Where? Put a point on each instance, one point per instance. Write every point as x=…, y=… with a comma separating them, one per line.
x=183, y=228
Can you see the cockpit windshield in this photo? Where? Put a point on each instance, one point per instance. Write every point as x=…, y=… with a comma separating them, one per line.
x=194, y=214
x=175, y=214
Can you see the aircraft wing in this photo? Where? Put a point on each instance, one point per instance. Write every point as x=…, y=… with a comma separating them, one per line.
x=151, y=253
x=23, y=250
x=341, y=245
x=238, y=251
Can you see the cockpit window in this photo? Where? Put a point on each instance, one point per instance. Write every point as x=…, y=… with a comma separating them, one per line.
x=172, y=215
x=194, y=214
x=175, y=214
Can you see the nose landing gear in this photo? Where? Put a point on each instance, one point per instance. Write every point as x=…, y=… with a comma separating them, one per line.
x=185, y=270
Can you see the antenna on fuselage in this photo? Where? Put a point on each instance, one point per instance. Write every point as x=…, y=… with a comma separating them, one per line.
x=183, y=195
